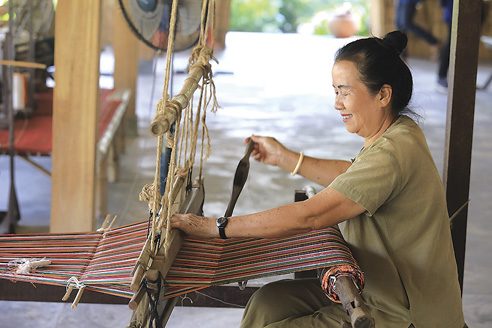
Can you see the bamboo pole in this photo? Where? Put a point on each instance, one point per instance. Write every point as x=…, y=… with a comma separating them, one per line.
x=165, y=118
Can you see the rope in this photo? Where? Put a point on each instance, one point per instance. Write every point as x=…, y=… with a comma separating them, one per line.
x=184, y=140
x=176, y=116
x=170, y=49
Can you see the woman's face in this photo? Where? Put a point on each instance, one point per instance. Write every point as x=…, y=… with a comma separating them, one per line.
x=362, y=111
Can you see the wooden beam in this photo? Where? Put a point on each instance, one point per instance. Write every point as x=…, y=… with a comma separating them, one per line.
x=125, y=47
x=25, y=291
x=465, y=36
x=75, y=109
x=214, y=296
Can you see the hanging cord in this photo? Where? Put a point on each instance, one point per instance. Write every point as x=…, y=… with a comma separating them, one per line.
x=169, y=113
x=152, y=88
x=205, y=132
x=162, y=205
x=207, y=82
x=197, y=59
x=160, y=108
x=168, y=109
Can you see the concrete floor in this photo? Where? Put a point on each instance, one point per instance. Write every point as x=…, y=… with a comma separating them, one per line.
x=286, y=92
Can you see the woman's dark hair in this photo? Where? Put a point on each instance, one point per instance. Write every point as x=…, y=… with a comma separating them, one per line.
x=378, y=62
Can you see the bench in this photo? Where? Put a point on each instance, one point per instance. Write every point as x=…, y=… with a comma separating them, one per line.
x=33, y=138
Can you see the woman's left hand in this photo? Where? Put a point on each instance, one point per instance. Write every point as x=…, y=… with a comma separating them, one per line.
x=195, y=225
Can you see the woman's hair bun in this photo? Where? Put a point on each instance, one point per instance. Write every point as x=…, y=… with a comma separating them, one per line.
x=396, y=40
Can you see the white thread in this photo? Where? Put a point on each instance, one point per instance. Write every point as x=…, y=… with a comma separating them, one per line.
x=26, y=266
x=72, y=283
x=219, y=300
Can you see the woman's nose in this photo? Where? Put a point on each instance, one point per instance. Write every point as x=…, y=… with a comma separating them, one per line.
x=338, y=104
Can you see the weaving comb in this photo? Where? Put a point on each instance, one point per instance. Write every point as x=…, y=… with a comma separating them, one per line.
x=240, y=178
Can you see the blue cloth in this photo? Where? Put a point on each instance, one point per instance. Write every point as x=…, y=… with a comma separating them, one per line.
x=447, y=10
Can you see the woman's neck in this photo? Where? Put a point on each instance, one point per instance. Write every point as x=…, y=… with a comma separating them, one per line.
x=385, y=124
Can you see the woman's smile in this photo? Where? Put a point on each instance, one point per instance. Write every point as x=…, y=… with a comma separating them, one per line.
x=346, y=117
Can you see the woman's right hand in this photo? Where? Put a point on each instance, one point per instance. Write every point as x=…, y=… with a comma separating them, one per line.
x=267, y=150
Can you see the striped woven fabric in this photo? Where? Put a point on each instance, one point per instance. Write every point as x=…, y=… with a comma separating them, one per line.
x=101, y=261
x=104, y=262
x=215, y=262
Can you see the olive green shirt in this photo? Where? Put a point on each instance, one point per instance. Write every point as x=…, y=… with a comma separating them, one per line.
x=402, y=241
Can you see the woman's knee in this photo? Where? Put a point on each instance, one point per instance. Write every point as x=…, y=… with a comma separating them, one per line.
x=269, y=295
x=282, y=299
x=266, y=305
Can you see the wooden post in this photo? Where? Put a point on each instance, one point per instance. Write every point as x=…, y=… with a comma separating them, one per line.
x=378, y=17
x=222, y=17
x=75, y=109
x=125, y=47
x=465, y=36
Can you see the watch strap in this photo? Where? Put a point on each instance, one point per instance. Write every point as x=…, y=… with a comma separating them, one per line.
x=222, y=233
x=221, y=224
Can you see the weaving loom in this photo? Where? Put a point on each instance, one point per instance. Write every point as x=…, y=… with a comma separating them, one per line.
x=103, y=261
x=152, y=265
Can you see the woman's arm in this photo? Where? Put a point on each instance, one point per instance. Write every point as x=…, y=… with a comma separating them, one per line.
x=327, y=208
x=322, y=171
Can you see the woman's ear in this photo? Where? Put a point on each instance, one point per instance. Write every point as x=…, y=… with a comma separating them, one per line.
x=385, y=94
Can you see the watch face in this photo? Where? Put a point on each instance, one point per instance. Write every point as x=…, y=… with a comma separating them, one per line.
x=221, y=221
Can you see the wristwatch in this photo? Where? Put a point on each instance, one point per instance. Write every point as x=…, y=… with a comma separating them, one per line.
x=221, y=224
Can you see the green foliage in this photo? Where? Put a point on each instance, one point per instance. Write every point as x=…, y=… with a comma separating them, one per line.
x=321, y=28
x=253, y=15
x=292, y=12
x=286, y=15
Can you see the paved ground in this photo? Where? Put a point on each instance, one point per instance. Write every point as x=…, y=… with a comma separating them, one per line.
x=284, y=91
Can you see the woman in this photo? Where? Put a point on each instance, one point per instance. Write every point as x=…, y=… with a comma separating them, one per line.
x=390, y=196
